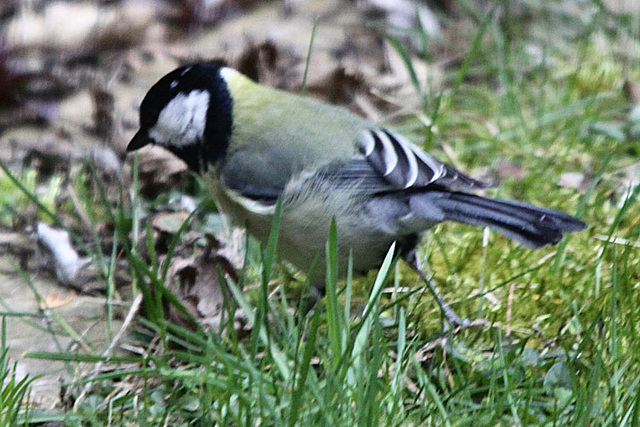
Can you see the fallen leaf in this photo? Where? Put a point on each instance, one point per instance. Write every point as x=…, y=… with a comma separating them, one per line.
x=159, y=171
x=169, y=222
x=58, y=299
x=196, y=283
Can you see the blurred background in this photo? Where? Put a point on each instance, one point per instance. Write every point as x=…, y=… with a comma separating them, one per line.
x=84, y=65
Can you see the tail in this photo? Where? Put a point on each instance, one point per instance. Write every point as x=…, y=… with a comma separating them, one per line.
x=530, y=225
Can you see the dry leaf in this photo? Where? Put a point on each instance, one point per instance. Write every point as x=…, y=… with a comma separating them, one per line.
x=159, y=171
x=169, y=222
x=58, y=299
x=197, y=285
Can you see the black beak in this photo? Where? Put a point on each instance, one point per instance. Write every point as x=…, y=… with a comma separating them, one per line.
x=139, y=140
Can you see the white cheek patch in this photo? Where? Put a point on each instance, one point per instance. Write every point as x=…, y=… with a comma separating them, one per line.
x=182, y=121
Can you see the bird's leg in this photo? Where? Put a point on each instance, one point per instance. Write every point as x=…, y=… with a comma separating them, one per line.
x=412, y=261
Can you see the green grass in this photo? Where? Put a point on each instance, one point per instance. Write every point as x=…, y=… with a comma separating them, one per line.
x=561, y=346
x=14, y=391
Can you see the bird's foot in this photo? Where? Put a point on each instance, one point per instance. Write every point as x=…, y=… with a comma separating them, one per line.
x=451, y=317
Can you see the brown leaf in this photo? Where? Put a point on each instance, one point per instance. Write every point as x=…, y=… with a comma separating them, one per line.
x=169, y=222
x=267, y=63
x=159, y=171
x=58, y=299
x=337, y=86
x=197, y=285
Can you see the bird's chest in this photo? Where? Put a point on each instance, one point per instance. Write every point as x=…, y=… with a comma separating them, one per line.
x=254, y=216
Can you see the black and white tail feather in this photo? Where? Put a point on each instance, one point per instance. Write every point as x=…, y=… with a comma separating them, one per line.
x=438, y=192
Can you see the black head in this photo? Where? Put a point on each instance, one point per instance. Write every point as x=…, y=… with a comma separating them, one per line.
x=188, y=112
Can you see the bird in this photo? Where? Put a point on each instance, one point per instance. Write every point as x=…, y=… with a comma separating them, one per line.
x=254, y=145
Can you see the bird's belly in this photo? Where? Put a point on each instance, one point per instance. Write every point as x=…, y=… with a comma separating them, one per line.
x=305, y=225
x=305, y=231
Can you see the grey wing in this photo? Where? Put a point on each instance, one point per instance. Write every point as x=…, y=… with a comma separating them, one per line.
x=388, y=163
x=404, y=166
x=356, y=174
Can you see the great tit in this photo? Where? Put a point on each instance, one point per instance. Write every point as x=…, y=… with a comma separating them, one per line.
x=253, y=144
